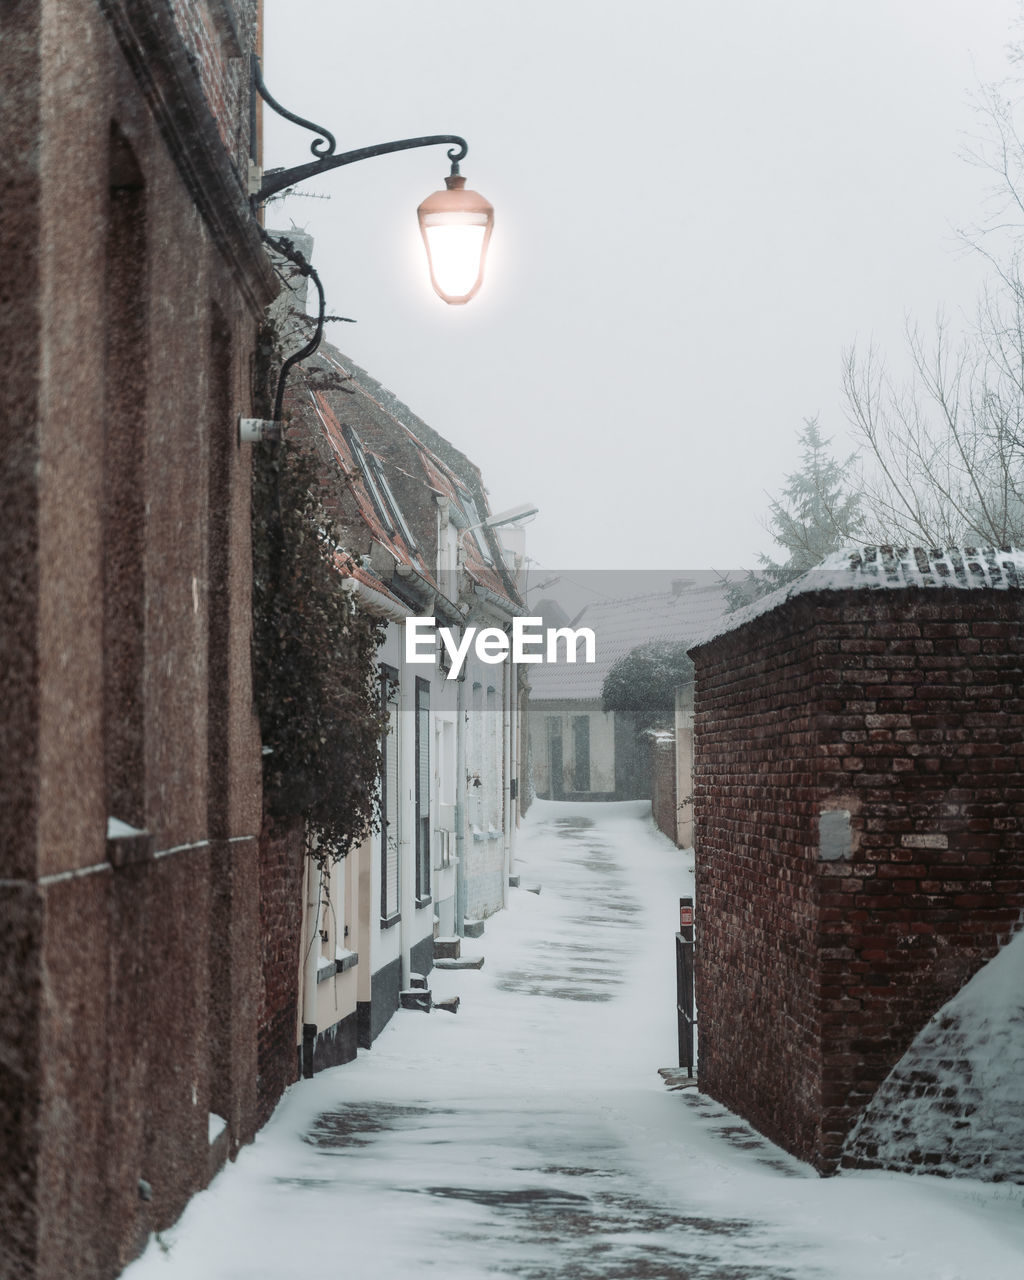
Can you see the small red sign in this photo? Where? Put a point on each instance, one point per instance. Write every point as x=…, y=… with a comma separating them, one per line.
x=685, y=917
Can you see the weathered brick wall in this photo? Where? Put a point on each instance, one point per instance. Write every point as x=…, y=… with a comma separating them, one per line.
x=954, y=1103
x=219, y=35
x=753, y=798
x=282, y=854
x=663, y=785
x=130, y=965
x=821, y=959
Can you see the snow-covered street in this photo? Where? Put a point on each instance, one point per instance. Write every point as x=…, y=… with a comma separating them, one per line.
x=530, y=1135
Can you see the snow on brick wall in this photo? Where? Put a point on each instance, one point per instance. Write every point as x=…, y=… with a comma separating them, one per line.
x=954, y=1103
x=859, y=795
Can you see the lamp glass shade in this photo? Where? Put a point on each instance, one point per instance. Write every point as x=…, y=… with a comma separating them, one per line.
x=456, y=226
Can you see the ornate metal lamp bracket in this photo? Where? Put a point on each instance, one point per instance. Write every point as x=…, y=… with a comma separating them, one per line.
x=323, y=147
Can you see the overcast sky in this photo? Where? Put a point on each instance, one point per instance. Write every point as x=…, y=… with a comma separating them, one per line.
x=699, y=207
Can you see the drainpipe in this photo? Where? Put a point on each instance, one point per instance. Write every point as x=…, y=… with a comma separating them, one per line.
x=460, y=807
x=407, y=812
x=513, y=816
x=506, y=780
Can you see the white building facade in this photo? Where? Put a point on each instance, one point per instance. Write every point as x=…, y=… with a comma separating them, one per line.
x=411, y=511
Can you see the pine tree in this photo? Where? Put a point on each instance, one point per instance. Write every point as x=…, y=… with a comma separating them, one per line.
x=815, y=516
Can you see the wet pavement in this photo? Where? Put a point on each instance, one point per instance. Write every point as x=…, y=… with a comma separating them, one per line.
x=531, y=1136
x=547, y=1189
x=544, y=1196
x=585, y=961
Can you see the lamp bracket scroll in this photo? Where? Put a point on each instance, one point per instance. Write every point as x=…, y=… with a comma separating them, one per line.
x=323, y=147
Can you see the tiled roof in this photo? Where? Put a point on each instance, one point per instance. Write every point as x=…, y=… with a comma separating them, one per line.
x=964, y=567
x=407, y=451
x=348, y=568
x=334, y=435
x=620, y=626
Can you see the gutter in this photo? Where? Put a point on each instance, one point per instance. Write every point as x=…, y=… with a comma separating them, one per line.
x=449, y=610
x=501, y=603
x=376, y=602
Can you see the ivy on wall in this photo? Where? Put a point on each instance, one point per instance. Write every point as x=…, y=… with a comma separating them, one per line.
x=315, y=663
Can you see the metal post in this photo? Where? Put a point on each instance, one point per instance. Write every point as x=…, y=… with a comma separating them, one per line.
x=684, y=983
x=460, y=807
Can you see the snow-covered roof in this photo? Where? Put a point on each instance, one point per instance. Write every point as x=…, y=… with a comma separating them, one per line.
x=890, y=568
x=619, y=626
x=378, y=450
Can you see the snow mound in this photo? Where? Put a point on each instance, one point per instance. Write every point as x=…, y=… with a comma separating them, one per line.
x=118, y=830
x=954, y=1103
x=610, y=811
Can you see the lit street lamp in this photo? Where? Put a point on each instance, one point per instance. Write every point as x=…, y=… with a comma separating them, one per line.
x=456, y=223
x=456, y=226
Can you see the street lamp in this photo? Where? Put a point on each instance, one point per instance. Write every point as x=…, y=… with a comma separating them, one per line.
x=456, y=223
x=456, y=227
x=512, y=516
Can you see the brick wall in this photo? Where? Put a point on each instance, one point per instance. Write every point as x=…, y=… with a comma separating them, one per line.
x=827, y=943
x=755, y=884
x=218, y=36
x=954, y=1103
x=130, y=964
x=663, y=785
x=282, y=855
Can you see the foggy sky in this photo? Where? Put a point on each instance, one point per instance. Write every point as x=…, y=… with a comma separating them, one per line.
x=699, y=207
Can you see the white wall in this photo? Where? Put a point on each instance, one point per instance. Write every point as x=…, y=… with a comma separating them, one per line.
x=602, y=745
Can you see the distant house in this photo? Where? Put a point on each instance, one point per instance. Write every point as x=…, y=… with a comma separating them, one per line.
x=859, y=808
x=408, y=509
x=578, y=750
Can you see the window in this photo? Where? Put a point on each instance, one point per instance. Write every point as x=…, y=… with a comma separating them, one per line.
x=475, y=756
x=377, y=487
x=478, y=535
x=446, y=761
x=422, y=791
x=389, y=904
x=494, y=760
x=581, y=752
x=396, y=511
x=444, y=766
x=556, y=785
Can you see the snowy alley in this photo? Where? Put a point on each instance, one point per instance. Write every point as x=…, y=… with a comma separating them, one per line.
x=530, y=1135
